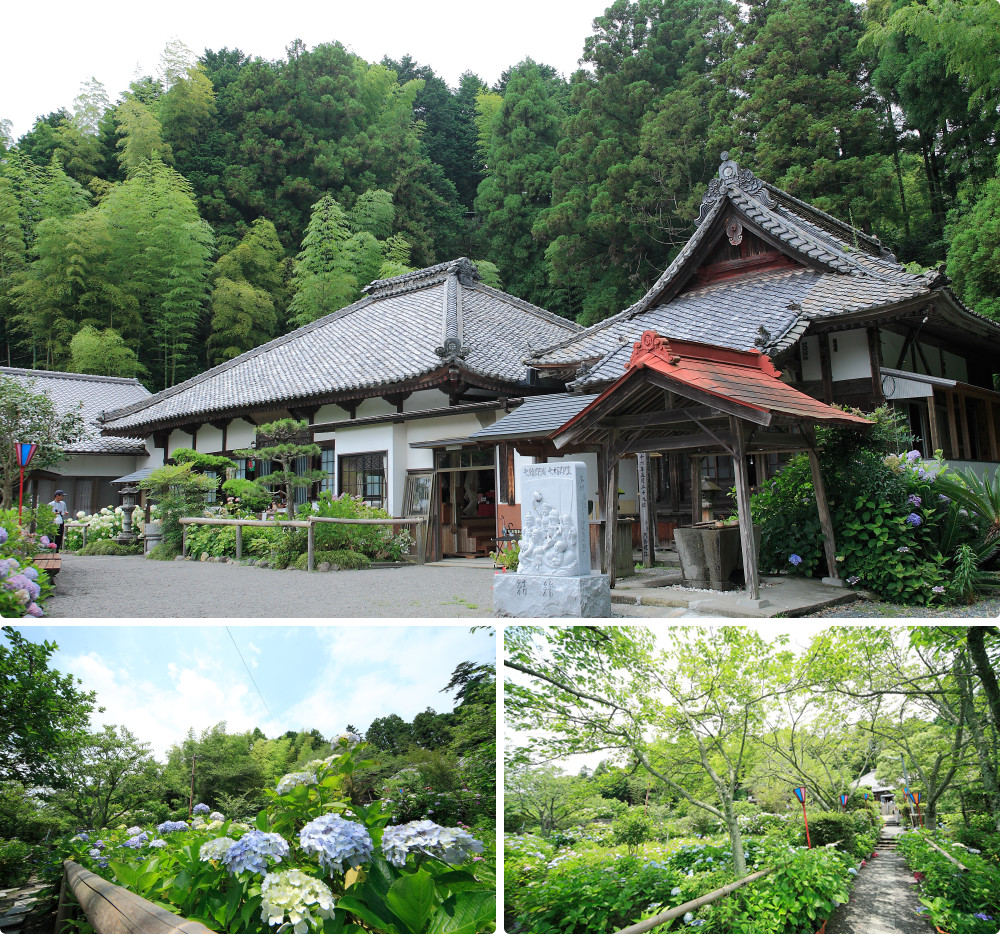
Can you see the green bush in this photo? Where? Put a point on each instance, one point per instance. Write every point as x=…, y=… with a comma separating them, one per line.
x=378, y=542
x=632, y=829
x=248, y=494
x=342, y=560
x=829, y=827
x=15, y=866
x=107, y=547
x=162, y=552
x=216, y=540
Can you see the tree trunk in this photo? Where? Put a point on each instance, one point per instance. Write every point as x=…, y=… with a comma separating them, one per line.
x=733, y=826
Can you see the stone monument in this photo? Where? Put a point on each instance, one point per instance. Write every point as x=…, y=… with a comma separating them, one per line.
x=553, y=575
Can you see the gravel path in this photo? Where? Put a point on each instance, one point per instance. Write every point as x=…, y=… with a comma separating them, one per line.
x=106, y=587
x=869, y=609
x=884, y=901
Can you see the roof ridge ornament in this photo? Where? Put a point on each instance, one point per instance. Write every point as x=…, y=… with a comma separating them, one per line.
x=651, y=344
x=732, y=176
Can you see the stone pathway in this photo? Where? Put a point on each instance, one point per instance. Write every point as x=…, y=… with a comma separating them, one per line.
x=884, y=899
x=17, y=903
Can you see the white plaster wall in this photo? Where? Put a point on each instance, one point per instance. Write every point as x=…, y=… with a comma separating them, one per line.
x=331, y=413
x=178, y=439
x=810, y=359
x=892, y=345
x=850, y=360
x=240, y=434
x=369, y=439
x=376, y=406
x=97, y=465
x=519, y=461
x=210, y=439
x=628, y=478
x=425, y=399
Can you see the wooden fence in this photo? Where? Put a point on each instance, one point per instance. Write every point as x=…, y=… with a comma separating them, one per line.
x=309, y=524
x=111, y=909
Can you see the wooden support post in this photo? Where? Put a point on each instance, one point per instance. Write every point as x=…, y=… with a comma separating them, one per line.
x=932, y=423
x=750, y=571
x=239, y=542
x=952, y=427
x=695, y=489
x=311, y=547
x=611, y=513
x=602, y=500
x=420, y=534
x=825, y=519
x=825, y=368
x=184, y=541
x=647, y=521
x=963, y=411
x=991, y=430
x=874, y=358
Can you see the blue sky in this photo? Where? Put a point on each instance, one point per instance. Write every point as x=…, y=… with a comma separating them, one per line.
x=161, y=680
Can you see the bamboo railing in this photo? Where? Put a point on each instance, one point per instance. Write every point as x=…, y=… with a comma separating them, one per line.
x=111, y=909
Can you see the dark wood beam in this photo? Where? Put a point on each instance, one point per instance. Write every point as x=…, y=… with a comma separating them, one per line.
x=874, y=360
x=825, y=369
x=669, y=417
x=745, y=412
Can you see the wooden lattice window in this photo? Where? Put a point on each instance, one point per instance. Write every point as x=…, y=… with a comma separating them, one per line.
x=364, y=475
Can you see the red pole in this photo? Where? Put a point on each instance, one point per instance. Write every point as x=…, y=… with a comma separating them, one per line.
x=20, y=496
x=806, y=819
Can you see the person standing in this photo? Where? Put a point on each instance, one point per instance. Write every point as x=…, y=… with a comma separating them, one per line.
x=61, y=510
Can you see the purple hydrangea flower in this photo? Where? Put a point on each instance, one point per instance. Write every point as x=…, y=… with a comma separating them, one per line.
x=171, y=826
x=913, y=456
x=20, y=582
x=3, y=535
x=938, y=589
x=158, y=844
x=795, y=559
x=201, y=809
x=913, y=499
x=33, y=609
x=136, y=842
x=903, y=549
x=854, y=579
x=337, y=841
x=913, y=519
x=94, y=852
x=8, y=566
x=982, y=916
x=250, y=852
x=30, y=573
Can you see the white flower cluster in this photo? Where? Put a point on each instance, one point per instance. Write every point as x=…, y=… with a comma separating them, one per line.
x=302, y=898
x=350, y=739
x=450, y=844
x=215, y=849
x=294, y=779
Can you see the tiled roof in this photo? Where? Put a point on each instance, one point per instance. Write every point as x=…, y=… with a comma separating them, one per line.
x=97, y=393
x=536, y=417
x=403, y=328
x=844, y=271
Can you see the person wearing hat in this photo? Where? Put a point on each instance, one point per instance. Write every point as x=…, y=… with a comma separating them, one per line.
x=61, y=510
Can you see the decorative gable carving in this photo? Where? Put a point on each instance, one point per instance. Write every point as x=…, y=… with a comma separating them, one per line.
x=732, y=176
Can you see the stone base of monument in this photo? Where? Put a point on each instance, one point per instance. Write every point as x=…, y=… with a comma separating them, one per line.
x=528, y=595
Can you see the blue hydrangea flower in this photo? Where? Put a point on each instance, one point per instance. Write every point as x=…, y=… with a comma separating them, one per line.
x=795, y=559
x=158, y=844
x=913, y=499
x=94, y=852
x=982, y=916
x=132, y=831
x=200, y=808
x=172, y=826
x=3, y=535
x=293, y=780
x=31, y=574
x=912, y=456
x=250, y=852
x=913, y=519
x=137, y=842
x=337, y=841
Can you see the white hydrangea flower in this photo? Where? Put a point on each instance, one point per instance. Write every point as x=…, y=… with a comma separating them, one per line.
x=294, y=779
x=216, y=816
x=214, y=825
x=351, y=739
x=302, y=898
x=450, y=844
x=215, y=849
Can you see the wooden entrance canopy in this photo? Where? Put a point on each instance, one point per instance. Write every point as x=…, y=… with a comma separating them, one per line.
x=688, y=397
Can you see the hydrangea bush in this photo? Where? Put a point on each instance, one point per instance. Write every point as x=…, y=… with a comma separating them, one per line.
x=23, y=587
x=314, y=861
x=103, y=525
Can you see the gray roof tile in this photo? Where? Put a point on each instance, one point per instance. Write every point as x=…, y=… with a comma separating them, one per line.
x=97, y=393
x=399, y=330
x=535, y=417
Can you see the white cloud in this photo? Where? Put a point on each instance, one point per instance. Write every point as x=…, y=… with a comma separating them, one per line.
x=161, y=714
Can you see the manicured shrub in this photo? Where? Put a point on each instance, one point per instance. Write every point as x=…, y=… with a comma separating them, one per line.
x=379, y=542
x=632, y=829
x=342, y=560
x=106, y=547
x=829, y=827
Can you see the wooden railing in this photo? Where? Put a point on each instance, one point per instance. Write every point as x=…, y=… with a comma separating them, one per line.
x=111, y=909
x=309, y=524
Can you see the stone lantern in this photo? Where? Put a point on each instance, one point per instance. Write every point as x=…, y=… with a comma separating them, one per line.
x=128, y=535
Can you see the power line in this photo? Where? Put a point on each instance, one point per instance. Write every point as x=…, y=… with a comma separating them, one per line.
x=254, y=683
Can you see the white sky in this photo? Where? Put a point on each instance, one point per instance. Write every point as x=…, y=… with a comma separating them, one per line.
x=48, y=49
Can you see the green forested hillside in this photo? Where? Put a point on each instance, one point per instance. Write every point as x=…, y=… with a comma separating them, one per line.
x=167, y=227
